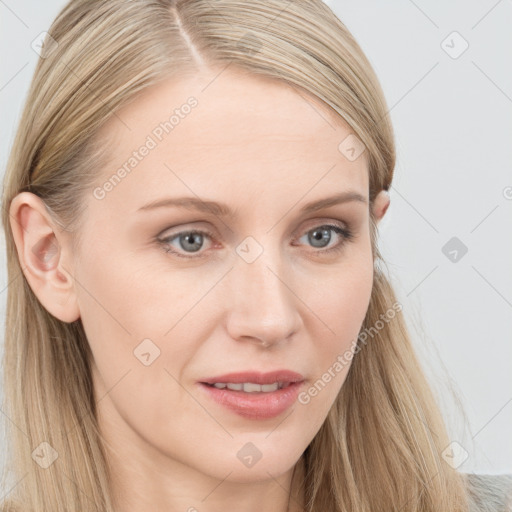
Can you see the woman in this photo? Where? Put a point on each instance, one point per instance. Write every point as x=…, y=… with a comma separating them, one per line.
x=184, y=174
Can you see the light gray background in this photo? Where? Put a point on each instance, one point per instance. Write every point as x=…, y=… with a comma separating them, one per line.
x=453, y=125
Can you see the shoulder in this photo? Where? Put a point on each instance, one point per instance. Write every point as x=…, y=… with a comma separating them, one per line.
x=489, y=493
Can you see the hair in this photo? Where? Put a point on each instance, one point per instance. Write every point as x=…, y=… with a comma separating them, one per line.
x=380, y=447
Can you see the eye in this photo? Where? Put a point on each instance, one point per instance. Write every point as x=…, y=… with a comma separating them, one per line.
x=320, y=237
x=192, y=241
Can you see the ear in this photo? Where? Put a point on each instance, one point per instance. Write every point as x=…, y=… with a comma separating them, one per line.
x=381, y=204
x=43, y=251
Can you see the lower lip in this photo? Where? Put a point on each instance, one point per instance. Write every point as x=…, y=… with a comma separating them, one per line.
x=258, y=405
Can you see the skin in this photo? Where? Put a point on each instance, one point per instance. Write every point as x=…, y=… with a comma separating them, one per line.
x=265, y=150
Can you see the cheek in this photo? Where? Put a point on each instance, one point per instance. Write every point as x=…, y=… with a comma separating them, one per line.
x=339, y=313
x=341, y=299
x=142, y=323
x=126, y=312
x=118, y=311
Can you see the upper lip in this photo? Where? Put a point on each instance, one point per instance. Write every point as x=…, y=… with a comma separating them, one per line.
x=256, y=377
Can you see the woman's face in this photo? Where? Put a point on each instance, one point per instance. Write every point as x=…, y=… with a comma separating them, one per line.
x=171, y=296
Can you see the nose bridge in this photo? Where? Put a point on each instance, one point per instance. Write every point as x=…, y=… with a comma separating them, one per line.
x=263, y=305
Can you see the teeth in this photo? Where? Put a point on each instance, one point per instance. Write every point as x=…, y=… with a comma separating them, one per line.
x=250, y=387
x=270, y=387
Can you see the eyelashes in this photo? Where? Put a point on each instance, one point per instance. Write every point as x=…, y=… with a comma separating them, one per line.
x=197, y=236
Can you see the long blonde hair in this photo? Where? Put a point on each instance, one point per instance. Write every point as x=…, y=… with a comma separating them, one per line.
x=380, y=446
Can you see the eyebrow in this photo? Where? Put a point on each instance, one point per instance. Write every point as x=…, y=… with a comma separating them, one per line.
x=222, y=210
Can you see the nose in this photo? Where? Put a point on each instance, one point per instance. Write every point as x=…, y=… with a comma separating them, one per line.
x=263, y=305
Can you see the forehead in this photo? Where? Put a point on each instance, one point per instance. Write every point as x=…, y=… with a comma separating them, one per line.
x=231, y=129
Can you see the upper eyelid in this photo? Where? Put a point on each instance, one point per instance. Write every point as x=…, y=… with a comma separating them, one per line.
x=311, y=223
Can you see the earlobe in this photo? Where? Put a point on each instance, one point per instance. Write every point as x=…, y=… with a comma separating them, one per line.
x=42, y=250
